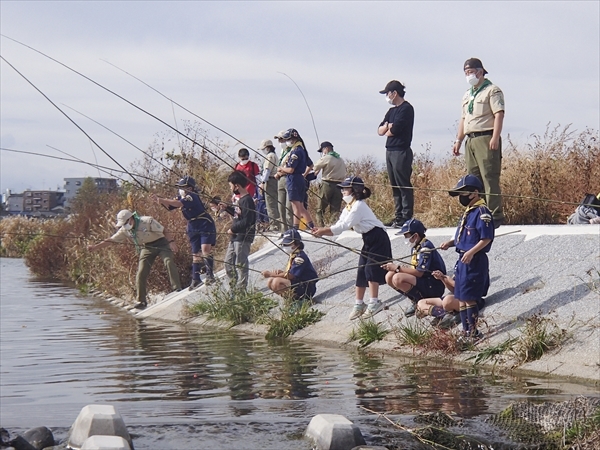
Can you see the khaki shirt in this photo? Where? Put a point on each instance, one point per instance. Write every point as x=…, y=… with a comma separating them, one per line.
x=488, y=102
x=334, y=169
x=149, y=230
x=270, y=163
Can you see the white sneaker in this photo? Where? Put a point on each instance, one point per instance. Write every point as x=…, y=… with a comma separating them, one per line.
x=358, y=311
x=373, y=309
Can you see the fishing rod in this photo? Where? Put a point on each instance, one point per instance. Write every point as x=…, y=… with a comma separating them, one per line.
x=127, y=141
x=72, y=121
x=173, y=102
x=307, y=105
x=260, y=155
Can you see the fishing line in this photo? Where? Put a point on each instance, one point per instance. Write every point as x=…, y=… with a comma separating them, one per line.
x=307, y=105
x=124, y=139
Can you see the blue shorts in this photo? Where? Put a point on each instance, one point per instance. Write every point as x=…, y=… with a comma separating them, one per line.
x=304, y=291
x=429, y=287
x=295, y=186
x=377, y=250
x=198, y=238
x=472, y=281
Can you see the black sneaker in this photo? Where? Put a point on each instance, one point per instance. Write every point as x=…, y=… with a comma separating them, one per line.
x=140, y=305
x=195, y=284
x=450, y=320
x=394, y=224
x=411, y=310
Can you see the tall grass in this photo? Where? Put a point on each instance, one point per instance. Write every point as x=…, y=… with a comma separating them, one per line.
x=560, y=165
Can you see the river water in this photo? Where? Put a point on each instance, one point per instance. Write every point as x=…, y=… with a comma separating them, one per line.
x=184, y=388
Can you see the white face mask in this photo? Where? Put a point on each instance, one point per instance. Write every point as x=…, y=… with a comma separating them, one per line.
x=127, y=226
x=283, y=145
x=288, y=249
x=408, y=241
x=289, y=143
x=472, y=79
x=389, y=100
x=243, y=162
x=181, y=193
x=347, y=198
x=214, y=209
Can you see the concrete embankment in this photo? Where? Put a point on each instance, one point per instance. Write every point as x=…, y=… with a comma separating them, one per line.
x=551, y=270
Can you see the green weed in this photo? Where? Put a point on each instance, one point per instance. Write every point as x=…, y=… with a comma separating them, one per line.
x=539, y=336
x=493, y=352
x=293, y=317
x=414, y=333
x=235, y=306
x=367, y=332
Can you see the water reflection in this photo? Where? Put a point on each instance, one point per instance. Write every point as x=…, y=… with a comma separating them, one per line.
x=84, y=350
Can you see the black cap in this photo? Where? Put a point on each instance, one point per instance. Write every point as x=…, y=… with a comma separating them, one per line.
x=394, y=85
x=325, y=144
x=474, y=63
x=352, y=182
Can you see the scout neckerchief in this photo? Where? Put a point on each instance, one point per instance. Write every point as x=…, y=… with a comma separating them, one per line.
x=133, y=231
x=284, y=153
x=289, y=263
x=334, y=154
x=474, y=93
x=349, y=205
x=414, y=260
x=464, y=217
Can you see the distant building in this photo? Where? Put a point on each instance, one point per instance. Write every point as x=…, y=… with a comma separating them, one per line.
x=12, y=202
x=41, y=203
x=72, y=186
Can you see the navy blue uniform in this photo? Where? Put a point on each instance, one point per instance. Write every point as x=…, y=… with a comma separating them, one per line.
x=304, y=275
x=427, y=262
x=295, y=182
x=473, y=280
x=201, y=226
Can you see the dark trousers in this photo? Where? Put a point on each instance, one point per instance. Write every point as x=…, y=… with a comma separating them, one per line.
x=399, y=168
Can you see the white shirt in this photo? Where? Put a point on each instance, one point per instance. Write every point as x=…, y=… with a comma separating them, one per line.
x=359, y=217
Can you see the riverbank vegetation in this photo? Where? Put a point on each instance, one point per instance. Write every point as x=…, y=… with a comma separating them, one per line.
x=542, y=181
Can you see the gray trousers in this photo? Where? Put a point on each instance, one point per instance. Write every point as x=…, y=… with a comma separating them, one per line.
x=285, y=207
x=399, y=168
x=486, y=165
x=271, y=197
x=331, y=196
x=148, y=254
x=236, y=262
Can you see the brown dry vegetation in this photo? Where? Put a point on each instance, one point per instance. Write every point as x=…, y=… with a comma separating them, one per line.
x=542, y=183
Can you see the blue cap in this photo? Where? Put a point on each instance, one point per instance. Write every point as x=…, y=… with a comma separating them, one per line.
x=290, y=236
x=413, y=226
x=352, y=182
x=467, y=184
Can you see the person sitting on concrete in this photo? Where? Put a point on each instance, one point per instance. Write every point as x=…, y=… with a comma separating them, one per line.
x=444, y=310
x=415, y=280
x=587, y=212
x=299, y=279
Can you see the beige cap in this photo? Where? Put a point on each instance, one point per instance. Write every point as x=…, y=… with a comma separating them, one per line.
x=280, y=134
x=265, y=143
x=122, y=218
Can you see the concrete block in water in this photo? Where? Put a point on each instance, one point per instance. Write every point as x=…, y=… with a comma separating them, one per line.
x=105, y=443
x=102, y=420
x=334, y=432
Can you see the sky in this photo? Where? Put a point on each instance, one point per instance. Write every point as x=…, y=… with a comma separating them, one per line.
x=225, y=62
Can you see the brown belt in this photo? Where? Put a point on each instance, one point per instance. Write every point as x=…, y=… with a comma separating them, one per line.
x=480, y=133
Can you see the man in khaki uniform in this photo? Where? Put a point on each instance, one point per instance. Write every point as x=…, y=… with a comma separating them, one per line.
x=151, y=240
x=333, y=172
x=481, y=122
x=269, y=183
x=286, y=215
